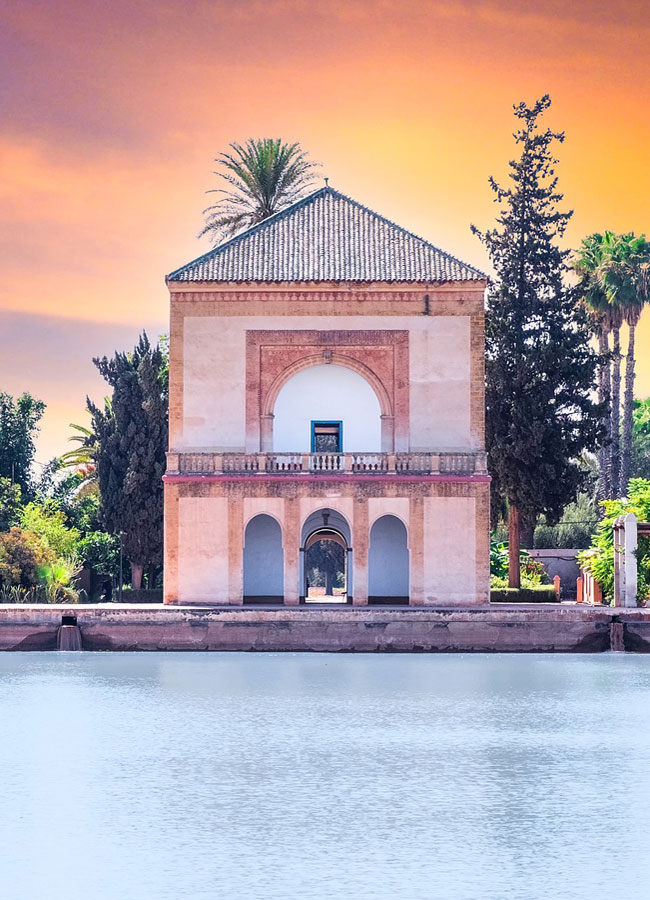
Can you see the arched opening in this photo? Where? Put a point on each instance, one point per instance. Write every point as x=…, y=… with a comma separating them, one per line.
x=325, y=557
x=319, y=399
x=263, y=561
x=388, y=562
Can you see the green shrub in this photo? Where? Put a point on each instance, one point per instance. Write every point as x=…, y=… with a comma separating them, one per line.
x=599, y=560
x=58, y=580
x=22, y=558
x=49, y=523
x=532, y=571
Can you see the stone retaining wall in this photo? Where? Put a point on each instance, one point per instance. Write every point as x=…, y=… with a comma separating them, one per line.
x=552, y=628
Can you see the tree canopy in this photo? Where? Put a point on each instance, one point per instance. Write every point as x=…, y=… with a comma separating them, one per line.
x=130, y=438
x=19, y=424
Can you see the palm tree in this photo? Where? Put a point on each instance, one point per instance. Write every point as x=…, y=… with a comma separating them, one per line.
x=266, y=175
x=83, y=458
x=588, y=263
x=625, y=277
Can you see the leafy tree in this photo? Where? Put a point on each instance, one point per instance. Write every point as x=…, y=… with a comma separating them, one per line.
x=641, y=439
x=131, y=437
x=578, y=523
x=540, y=367
x=265, y=176
x=18, y=426
x=100, y=552
x=10, y=504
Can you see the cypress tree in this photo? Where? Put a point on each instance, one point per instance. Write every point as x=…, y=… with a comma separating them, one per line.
x=540, y=366
x=131, y=436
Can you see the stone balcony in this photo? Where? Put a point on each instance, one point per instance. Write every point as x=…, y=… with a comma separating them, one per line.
x=296, y=464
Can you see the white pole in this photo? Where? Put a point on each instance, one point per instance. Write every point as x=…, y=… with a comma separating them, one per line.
x=629, y=559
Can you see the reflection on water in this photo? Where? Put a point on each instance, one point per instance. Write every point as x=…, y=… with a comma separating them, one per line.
x=182, y=776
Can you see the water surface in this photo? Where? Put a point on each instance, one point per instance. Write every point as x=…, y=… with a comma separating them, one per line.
x=241, y=776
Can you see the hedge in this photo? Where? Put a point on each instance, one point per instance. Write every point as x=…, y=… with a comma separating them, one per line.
x=543, y=593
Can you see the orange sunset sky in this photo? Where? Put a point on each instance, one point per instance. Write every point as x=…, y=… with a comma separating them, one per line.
x=113, y=112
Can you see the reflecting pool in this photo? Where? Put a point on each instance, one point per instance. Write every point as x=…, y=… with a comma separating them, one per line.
x=246, y=777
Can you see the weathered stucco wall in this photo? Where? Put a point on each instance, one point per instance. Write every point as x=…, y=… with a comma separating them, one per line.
x=214, y=378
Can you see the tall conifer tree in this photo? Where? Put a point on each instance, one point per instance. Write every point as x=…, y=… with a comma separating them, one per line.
x=540, y=367
x=131, y=438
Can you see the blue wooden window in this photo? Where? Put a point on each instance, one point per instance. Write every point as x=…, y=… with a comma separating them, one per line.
x=327, y=437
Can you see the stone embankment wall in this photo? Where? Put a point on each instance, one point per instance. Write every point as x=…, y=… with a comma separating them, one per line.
x=486, y=629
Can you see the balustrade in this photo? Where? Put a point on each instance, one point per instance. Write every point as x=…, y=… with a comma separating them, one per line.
x=418, y=463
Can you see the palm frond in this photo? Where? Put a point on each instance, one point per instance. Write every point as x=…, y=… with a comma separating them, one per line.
x=265, y=175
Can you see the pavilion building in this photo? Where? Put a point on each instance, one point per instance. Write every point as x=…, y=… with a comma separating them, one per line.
x=326, y=418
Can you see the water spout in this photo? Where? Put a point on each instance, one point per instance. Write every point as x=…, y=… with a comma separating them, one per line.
x=616, y=637
x=68, y=635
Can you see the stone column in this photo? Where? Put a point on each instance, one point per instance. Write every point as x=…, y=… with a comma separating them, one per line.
x=387, y=434
x=291, y=546
x=235, y=549
x=416, y=555
x=266, y=433
x=360, y=539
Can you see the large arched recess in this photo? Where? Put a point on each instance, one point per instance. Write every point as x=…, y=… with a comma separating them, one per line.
x=263, y=561
x=388, y=562
x=327, y=393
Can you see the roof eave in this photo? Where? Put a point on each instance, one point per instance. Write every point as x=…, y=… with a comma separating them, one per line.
x=184, y=285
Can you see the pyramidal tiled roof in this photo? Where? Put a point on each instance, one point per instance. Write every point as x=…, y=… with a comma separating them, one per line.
x=327, y=237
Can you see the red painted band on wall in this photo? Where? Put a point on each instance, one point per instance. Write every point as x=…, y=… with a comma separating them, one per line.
x=332, y=476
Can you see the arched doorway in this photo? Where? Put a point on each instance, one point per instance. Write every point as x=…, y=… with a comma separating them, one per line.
x=263, y=561
x=325, y=553
x=388, y=562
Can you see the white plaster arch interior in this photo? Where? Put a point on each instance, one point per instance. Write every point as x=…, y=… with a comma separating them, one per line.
x=323, y=393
